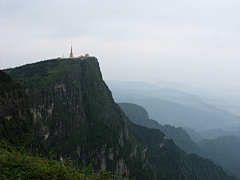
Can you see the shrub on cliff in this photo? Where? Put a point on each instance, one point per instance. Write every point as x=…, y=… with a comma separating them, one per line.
x=17, y=165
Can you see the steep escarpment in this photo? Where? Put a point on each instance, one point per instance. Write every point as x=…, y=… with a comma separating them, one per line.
x=75, y=116
x=15, y=117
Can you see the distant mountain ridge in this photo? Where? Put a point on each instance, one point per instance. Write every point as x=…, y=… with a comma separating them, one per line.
x=195, y=136
x=152, y=91
x=174, y=92
x=225, y=151
x=139, y=115
x=212, y=133
x=170, y=161
x=166, y=112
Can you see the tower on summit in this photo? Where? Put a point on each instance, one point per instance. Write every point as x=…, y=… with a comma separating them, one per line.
x=71, y=54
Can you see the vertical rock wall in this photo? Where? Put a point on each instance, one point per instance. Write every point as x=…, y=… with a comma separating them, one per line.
x=75, y=115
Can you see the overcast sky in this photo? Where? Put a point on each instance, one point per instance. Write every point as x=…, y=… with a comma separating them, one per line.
x=194, y=42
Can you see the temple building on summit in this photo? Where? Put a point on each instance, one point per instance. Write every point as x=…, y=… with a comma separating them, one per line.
x=71, y=54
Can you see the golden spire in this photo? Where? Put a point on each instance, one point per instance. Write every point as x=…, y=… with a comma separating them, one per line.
x=71, y=54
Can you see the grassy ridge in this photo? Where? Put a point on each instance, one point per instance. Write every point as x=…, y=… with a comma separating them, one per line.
x=42, y=73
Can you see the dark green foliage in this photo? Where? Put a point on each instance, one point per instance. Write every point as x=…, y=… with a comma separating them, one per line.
x=15, y=117
x=16, y=131
x=17, y=165
x=81, y=120
x=7, y=84
x=75, y=115
x=209, y=169
x=224, y=151
x=41, y=73
x=170, y=161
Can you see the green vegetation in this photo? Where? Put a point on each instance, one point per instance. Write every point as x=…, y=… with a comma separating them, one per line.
x=15, y=117
x=43, y=73
x=22, y=137
x=84, y=123
x=224, y=151
x=15, y=164
x=7, y=84
x=75, y=115
x=170, y=161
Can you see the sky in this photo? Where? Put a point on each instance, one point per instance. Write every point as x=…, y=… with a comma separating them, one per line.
x=196, y=42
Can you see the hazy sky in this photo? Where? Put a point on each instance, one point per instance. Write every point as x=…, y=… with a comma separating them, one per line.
x=195, y=42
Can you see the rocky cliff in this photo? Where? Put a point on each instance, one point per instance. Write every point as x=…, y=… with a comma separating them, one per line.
x=75, y=115
x=15, y=117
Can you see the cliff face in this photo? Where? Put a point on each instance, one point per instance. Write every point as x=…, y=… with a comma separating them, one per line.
x=15, y=116
x=75, y=115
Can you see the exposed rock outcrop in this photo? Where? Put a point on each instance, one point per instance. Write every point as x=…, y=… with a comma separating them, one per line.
x=75, y=115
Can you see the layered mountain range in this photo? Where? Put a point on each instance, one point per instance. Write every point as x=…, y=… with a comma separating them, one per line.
x=223, y=150
x=73, y=113
x=139, y=115
x=176, y=107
